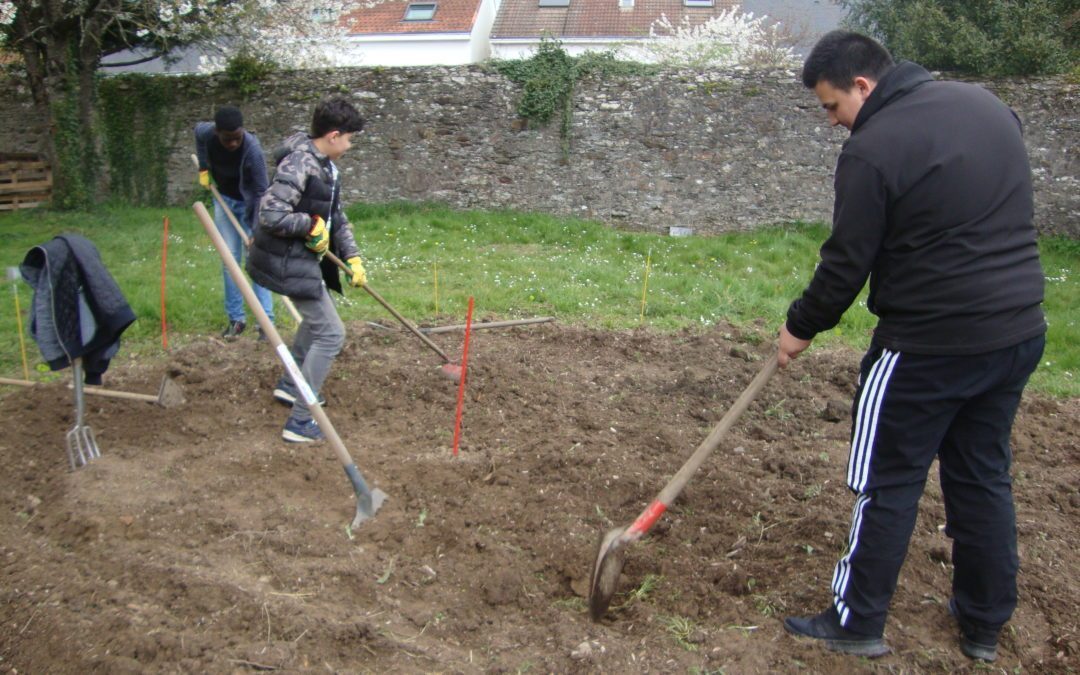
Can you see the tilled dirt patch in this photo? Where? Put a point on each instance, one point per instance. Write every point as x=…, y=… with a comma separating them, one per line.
x=200, y=542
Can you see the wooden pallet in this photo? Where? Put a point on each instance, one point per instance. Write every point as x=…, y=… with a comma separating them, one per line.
x=25, y=181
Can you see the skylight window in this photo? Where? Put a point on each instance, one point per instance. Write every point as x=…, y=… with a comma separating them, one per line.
x=697, y=3
x=324, y=15
x=420, y=11
x=554, y=3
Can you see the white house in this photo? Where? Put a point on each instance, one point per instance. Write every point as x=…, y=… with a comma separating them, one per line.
x=407, y=33
x=390, y=33
x=455, y=32
x=589, y=25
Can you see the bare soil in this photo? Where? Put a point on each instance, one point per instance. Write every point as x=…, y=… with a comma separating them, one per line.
x=201, y=542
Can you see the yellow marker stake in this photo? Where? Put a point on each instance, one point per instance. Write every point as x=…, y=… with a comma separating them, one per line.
x=645, y=286
x=22, y=343
x=435, y=268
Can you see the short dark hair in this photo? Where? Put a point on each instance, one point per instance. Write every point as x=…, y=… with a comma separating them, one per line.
x=335, y=114
x=228, y=118
x=840, y=56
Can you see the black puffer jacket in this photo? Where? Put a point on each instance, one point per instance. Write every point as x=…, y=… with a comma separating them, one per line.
x=934, y=205
x=304, y=185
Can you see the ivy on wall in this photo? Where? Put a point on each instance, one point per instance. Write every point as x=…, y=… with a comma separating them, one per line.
x=76, y=160
x=134, y=113
x=548, y=78
x=246, y=72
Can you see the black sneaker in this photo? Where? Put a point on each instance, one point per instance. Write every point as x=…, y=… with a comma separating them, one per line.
x=262, y=336
x=234, y=330
x=285, y=393
x=301, y=432
x=826, y=627
x=975, y=643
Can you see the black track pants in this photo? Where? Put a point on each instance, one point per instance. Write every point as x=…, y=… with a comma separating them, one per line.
x=909, y=409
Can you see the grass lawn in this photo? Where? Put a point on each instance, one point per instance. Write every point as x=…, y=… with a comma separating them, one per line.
x=515, y=265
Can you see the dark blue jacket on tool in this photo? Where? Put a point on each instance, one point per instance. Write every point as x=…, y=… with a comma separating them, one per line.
x=78, y=310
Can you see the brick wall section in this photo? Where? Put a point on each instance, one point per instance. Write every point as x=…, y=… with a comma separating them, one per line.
x=713, y=152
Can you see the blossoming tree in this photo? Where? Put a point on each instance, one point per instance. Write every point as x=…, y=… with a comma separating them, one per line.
x=730, y=38
x=62, y=43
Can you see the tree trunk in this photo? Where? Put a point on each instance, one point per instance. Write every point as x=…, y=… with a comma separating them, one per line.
x=61, y=65
x=39, y=91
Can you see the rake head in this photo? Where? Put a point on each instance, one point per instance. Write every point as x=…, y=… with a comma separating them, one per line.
x=169, y=394
x=452, y=371
x=610, y=556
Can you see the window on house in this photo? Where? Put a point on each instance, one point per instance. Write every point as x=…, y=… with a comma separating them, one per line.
x=324, y=15
x=420, y=11
x=697, y=3
x=626, y=4
x=554, y=3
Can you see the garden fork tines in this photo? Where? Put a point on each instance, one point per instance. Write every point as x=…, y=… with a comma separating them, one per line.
x=81, y=445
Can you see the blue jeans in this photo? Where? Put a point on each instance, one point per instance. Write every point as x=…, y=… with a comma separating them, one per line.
x=234, y=300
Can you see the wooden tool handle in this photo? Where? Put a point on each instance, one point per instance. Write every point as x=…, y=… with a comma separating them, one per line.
x=228, y=212
x=397, y=315
x=268, y=329
x=488, y=324
x=663, y=500
x=96, y=391
x=679, y=481
x=246, y=239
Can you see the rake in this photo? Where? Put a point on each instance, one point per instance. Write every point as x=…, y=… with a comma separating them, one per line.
x=611, y=553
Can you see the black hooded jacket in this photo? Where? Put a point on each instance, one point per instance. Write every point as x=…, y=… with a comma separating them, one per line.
x=934, y=205
x=304, y=185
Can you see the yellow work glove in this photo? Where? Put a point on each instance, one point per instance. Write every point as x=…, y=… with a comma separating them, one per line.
x=318, y=239
x=204, y=179
x=359, y=276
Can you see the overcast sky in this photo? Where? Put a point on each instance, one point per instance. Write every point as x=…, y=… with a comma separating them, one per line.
x=807, y=19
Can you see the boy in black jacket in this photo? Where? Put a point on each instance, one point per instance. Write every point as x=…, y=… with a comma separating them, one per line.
x=934, y=206
x=300, y=218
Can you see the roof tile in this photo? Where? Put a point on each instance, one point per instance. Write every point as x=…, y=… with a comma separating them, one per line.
x=451, y=16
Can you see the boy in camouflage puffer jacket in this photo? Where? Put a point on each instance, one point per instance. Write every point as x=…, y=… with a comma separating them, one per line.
x=300, y=218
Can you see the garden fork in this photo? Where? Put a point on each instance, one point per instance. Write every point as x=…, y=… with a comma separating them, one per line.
x=81, y=446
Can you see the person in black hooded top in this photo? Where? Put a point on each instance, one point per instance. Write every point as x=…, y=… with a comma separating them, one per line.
x=934, y=206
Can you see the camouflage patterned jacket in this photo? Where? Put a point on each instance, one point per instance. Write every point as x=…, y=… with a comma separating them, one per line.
x=303, y=186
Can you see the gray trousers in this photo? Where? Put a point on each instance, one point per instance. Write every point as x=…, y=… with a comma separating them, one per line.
x=318, y=341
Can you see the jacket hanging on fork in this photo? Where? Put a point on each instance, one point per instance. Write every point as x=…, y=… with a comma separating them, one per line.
x=78, y=310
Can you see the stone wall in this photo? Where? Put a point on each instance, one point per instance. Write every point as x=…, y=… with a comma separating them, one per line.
x=712, y=152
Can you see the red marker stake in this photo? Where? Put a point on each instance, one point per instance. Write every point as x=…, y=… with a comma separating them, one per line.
x=461, y=384
x=164, y=254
